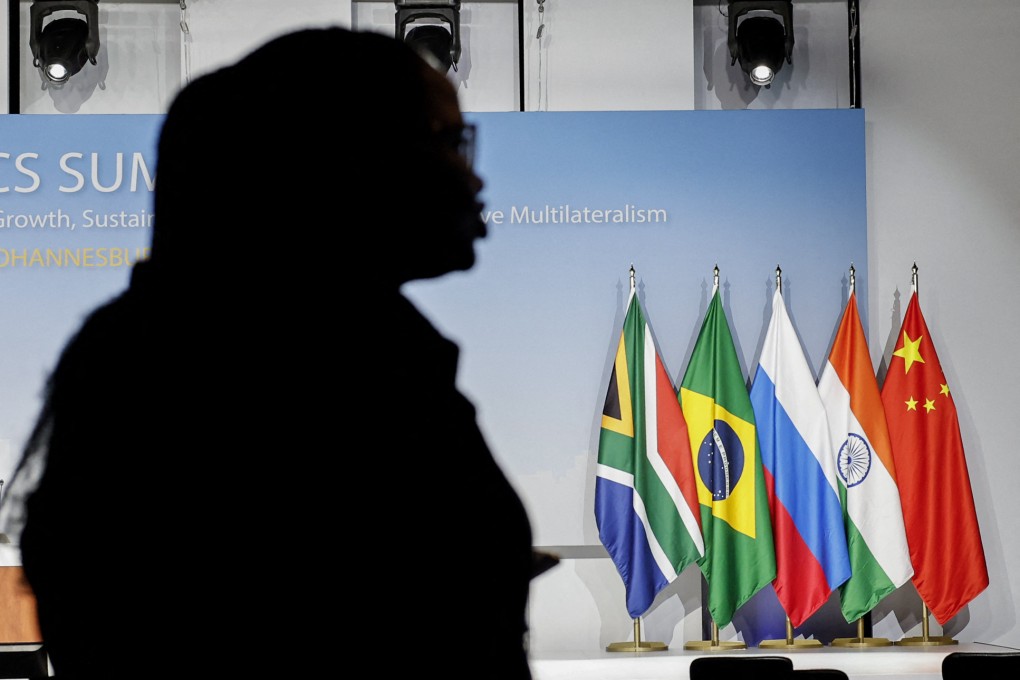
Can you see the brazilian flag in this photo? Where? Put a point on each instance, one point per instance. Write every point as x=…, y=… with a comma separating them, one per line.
x=739, y=557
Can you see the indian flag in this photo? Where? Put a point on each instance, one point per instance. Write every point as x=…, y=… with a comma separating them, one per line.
x=876, y=538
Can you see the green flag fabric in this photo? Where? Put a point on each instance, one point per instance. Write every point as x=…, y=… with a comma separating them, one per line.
x=739, y=557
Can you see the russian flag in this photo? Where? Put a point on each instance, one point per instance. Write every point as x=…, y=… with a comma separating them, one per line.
x=800, y=473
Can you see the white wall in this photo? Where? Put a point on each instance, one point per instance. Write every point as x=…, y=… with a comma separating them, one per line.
x=943, y=145
x=225, y=30
x=610, y=55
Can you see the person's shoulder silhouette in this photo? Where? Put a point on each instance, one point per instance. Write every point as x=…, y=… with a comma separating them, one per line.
x=261, y=441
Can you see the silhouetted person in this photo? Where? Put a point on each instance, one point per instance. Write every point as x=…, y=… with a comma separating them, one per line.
x=255, y=461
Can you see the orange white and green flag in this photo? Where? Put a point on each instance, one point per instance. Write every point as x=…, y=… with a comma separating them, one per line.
x=866, y=473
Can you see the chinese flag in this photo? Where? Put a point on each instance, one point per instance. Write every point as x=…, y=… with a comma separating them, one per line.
x=938, y=505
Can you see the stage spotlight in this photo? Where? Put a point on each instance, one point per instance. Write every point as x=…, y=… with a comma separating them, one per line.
x=761, y=42
x=61, y=46
x=438, y=45
x=434, y=43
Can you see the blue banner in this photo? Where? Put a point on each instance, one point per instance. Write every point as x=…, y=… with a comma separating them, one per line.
x=75, y=214
x=573, y=199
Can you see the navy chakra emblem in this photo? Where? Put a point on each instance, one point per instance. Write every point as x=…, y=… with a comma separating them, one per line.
x=720, y=460
x=854, y=459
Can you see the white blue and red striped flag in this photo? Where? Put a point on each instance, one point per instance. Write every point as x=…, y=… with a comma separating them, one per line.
x=800, y=473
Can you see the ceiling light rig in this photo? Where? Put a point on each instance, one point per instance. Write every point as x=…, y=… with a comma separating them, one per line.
x=439, y=45
x=761, y=41
x=62, y=45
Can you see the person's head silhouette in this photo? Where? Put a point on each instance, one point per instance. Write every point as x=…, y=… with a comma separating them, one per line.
x=320, y=140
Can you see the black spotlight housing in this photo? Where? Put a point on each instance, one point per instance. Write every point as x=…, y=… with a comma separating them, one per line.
x=435, y=43
x=61, y=47
x=761, y=42
x=438, y=45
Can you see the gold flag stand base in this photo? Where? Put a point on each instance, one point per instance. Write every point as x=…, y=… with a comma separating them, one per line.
x=638, y=645
x=714, y=644
x=925, y=640
x=789, y=642
x=860, y=640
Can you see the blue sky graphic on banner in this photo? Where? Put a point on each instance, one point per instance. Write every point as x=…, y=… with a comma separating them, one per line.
x=75, y=213
x=573, y=200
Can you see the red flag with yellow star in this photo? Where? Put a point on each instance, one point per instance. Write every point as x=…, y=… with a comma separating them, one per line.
x=938, y=505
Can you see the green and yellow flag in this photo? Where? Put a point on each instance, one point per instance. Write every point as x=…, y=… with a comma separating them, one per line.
x=739, y=557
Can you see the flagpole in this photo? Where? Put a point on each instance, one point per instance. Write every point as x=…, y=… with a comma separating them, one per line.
x=714, y=643
x=926, y=640
x=638, y=645
x=726, y=369
x=860, y=640
x=789, y=642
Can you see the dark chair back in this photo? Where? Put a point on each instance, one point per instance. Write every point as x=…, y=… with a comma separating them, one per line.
x=752, y=667
x=23, y=660
x=819, y=674
x=981, y=666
